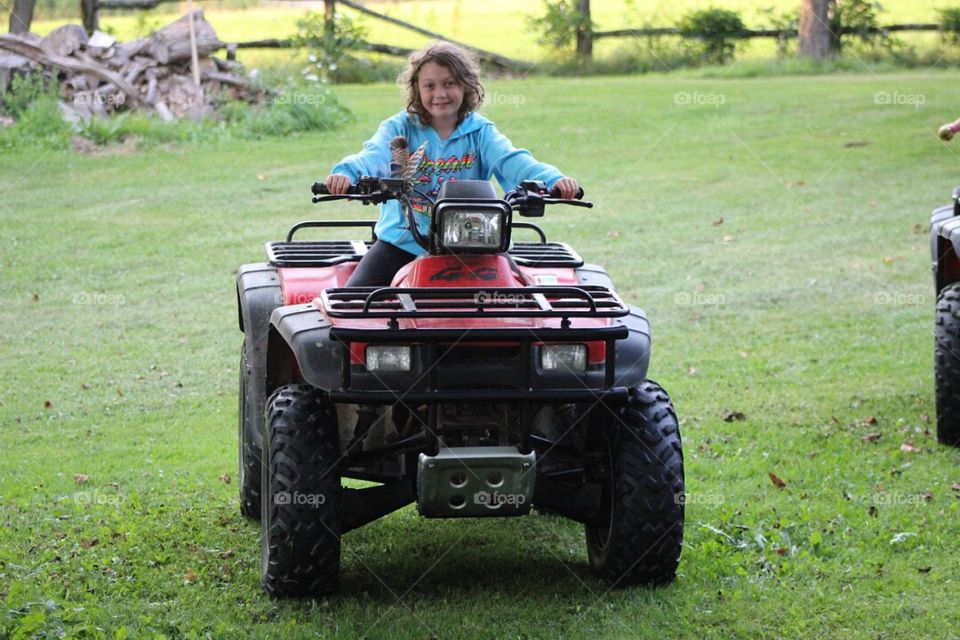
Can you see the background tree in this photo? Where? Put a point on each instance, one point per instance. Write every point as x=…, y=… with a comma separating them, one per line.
x=21, y=16
x=815, y=29
x=584, y=31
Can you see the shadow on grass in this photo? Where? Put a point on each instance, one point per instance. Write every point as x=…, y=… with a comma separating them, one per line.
x=536, y=556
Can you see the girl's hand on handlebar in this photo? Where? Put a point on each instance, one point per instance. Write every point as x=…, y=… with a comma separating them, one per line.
x=946, y=131
x=567, y=187
x=337, y=184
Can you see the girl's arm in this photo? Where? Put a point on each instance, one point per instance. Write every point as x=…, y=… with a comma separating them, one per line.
x=374, y=158
x=510, y=165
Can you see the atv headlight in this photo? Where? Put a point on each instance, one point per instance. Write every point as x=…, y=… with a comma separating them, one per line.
x=471, y=229
x=388, y=358
x=565, y=357
x=465, y=226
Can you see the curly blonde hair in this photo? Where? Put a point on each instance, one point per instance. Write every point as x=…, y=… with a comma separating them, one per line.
x=461, y=64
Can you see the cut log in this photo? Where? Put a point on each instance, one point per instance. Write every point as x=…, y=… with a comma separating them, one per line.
x=226, y=78
x=226, y=65
x=127, y=50
x=136, y=67
x=64, y=40
x=172, y=42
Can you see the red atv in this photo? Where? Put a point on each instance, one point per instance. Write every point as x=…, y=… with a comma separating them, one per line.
x=489, y=378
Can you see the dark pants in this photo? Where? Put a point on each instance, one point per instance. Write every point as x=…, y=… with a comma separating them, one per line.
x=379, y=265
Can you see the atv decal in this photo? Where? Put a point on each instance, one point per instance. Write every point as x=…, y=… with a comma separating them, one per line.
x=447, y=165
x=452, y=274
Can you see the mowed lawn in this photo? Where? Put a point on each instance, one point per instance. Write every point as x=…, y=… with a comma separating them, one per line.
x=775, y=230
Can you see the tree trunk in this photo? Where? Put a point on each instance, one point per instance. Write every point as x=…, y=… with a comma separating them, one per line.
x=836, y=26
x=21, y=16
x=584, y=31
x=815, y=29
x=329, y=17
x=91, y=15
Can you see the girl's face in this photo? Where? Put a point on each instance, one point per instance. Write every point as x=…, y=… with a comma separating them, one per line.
x=440, y=93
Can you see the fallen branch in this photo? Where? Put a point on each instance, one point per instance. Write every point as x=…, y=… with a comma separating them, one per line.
x=484, y=55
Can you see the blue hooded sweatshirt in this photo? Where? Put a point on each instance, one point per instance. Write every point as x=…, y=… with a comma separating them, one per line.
x=474, y=151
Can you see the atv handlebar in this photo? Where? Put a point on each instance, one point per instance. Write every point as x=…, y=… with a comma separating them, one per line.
x=320, y=189
x=528, y=199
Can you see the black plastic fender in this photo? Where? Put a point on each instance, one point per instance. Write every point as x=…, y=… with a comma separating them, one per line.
x=301, y=332
x=633, y=354
x=258, y=293
x=945, y=245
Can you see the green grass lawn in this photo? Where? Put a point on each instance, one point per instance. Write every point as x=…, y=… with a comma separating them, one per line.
x=773, y=229
x=494, y=25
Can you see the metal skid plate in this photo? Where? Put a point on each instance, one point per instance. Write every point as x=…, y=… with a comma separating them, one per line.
x=474, y=482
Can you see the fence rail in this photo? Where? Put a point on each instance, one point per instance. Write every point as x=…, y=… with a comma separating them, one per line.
x=761, y=33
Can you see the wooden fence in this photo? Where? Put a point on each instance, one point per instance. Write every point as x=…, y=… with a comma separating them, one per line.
x=90, y=10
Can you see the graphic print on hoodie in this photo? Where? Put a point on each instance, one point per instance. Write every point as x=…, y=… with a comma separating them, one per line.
x=474, y=151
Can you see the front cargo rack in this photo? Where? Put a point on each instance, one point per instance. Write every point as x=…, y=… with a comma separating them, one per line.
x=393, y=303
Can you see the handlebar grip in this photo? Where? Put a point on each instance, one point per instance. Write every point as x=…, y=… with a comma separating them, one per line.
x=320, y=189
x=555, y=192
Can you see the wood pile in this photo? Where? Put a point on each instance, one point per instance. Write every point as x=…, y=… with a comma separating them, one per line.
x=99, y=76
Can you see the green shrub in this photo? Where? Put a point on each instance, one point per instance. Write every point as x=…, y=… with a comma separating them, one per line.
x=32, y=103
x=23, y=91
x=950, y=22
x=856, y=20
x=300, y=107
x=336, y=51
x=717, y=30
x=558, y=25
x=783, y=21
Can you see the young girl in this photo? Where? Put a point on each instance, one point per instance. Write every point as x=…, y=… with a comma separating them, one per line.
x=443, y=90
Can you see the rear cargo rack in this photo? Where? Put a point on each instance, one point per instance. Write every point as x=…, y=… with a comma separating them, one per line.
x=544, y=254
x=393, y=303
x=325, y=253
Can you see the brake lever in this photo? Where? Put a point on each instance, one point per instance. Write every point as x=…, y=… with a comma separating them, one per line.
x=317, y=199
x=576, y=203
x=366, y=198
